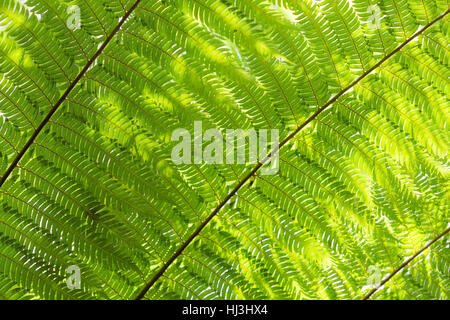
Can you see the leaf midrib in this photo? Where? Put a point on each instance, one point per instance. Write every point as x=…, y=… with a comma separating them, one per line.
x=404, y=264
x=185, y=244
x=72, y=85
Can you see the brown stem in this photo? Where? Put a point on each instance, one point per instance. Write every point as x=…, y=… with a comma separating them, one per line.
x=260, y=164
x=72, y=85
x=404, y=264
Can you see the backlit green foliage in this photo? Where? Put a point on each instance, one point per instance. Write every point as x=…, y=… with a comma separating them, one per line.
x=361, y=187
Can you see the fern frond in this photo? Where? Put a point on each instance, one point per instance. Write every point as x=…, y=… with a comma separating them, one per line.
x=357, y=89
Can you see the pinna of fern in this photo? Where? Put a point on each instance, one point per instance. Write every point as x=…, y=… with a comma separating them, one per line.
x=358, y=90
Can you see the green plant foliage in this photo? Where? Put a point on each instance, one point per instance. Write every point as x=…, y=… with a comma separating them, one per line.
x=357, y=89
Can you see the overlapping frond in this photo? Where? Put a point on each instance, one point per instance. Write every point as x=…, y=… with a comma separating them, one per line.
x=87, y=113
